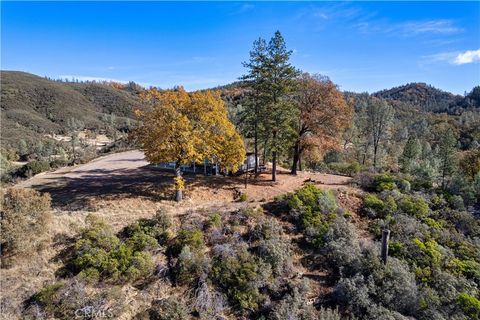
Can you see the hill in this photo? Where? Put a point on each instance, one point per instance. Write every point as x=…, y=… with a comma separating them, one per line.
x=33, y=106
x=428, y=98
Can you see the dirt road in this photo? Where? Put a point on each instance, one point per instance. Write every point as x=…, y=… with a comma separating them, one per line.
x=127, y=175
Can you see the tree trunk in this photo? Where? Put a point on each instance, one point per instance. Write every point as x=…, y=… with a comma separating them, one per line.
x=274, y=156
x=73, y=149
x=296, y=157
x=375, y=149
x=178, y=191
x=300, y=160
x=274, y=165
x=256, y=149
x=385, y=238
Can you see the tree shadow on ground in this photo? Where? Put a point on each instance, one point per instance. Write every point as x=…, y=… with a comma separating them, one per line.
x=76, y=191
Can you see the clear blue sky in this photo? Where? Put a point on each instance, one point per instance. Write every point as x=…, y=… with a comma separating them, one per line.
x=362, y=46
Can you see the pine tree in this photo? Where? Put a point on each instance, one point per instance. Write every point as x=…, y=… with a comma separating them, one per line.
x=411, y=154
x=272, y=111
x=446, y=154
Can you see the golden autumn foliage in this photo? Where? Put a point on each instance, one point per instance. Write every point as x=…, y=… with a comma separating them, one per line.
x=189, y=127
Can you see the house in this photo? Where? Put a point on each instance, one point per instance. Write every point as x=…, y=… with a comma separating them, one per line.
x=208, y=168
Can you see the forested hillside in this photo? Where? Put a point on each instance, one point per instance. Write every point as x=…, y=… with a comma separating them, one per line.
x=431, y=99
x=33, y=106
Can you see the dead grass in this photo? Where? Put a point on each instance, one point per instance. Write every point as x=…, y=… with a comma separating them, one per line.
x=121, y=189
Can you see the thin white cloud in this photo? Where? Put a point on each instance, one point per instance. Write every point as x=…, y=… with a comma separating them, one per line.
x=454, y=57
x=245, y=7
x=442, y=26
x=468, y=56
x=410, y=28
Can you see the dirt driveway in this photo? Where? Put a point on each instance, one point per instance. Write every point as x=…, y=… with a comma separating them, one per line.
x=127, y=175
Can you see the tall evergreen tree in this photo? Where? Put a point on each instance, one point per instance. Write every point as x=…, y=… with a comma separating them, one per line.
x=272, y=79
x=411, y=154
x=253, y=112
x=446, y=154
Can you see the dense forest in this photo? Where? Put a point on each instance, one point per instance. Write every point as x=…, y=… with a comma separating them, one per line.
x=413, y=153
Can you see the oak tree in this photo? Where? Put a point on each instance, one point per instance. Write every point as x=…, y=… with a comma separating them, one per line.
x=187, y=127
x=323, y=116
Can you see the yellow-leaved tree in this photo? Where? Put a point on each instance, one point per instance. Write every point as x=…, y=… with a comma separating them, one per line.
x=187, y=127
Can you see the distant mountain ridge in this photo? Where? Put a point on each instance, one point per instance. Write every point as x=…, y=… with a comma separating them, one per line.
x=430, y=99
x=32, y=106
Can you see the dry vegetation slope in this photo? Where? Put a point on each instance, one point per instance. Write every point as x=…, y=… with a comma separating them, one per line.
x=121, y=189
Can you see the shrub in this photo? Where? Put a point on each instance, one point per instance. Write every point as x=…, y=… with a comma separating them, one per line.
x=239, y=274
x=470, y=305
x=243, y=197
x=365, y=180
x=341, y=246
x=313, y=209
x=384, y=181
x=99, y=253
x=70, y=299
x=35, y=167
x=171, y=308
x=423, y=177
x=208, y=302
x=294, y=306
x=414, y=206
x=428, y=253
x=349, y=169
x=214, y=220
x=371, y=201
x=25, y=215
x=272, y=247
x=404, y=185
x=190, y=266
x=379, y=292
x=188, y=237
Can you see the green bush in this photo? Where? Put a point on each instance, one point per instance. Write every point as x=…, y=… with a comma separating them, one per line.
x=414, y=206
x=238, y=274
x=344, y=168
x=373, y=202
x=192, y=238
x=470, y=305
x=396, y=249
x=243, y=197
x=384, y=181
x=100, y=254
x=214, y=220
x=35, y=167
x=315, y=209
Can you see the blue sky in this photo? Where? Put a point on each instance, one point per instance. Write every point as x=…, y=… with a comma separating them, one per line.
x=362, y=46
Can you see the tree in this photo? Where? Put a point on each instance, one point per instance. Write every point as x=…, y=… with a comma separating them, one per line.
x=323, y=115
x=188, y=127
x=74, y=126
x=446, y=154
x=470, y=163
x=272, y=79
x=252, y=115
x=379, y=118
x=411, y=153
